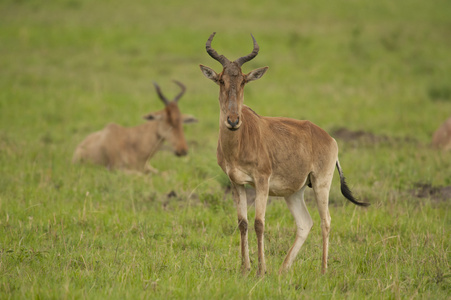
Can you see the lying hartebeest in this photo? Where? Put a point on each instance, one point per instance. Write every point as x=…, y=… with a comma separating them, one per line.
x=117, y=147
x=278, y=156
x=442, y=136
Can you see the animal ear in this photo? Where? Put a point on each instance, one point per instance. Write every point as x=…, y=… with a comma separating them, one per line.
x=209, y=73
x=187, y=119
x=256, y=74
x=152, y=116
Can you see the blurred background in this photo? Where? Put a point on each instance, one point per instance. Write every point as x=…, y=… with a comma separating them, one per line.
x=74, y=65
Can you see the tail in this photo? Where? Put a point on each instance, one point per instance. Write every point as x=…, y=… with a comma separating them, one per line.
x=345, y=189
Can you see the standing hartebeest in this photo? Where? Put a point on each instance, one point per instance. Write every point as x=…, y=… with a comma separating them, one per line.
x=118, y=147
x=278, y=156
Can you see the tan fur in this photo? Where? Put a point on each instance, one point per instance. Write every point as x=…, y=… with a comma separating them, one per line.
x=117, y=147
x=277, y=156
x=442, y=136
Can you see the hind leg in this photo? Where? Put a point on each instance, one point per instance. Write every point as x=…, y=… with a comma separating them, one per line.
x=304, y=223
x=321, y=189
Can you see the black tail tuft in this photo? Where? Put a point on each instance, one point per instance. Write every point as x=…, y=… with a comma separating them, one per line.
x=345, y=189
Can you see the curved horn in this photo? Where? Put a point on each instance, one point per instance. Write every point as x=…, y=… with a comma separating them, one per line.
x=160, y=94
x=212, y=52
x=240, y=61
x=176, y=99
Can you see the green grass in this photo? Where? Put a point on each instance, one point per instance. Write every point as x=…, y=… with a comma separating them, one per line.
x=67, y=68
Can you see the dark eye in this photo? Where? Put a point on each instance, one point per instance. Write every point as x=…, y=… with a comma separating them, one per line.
x=221, y=81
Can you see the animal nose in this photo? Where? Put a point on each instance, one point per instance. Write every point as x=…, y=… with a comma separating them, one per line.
x=181, y=152
x=231, y=123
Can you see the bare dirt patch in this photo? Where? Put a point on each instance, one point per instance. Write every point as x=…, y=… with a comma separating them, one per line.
x=367, y=138
x=426, y=190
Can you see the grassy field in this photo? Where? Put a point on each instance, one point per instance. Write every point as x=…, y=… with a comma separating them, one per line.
x=379, y=71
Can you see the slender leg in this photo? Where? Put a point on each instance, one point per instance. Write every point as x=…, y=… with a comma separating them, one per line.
x=322, y=200
x=304, y=223
x=149, y=169
x=239, y=195
x=261, y=198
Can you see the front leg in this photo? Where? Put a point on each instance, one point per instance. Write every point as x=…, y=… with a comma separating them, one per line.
x=148, y=169
x=239, y=195
x=261, y=198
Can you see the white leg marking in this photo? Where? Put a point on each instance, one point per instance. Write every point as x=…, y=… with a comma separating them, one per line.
x=304, y=223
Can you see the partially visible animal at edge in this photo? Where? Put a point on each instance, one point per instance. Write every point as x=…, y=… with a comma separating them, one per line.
x=277, y=156
x=130, y=148
x=442, y=136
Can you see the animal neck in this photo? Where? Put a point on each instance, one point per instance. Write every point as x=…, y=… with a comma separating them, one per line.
x=150, y=137
x=232, y=142
x=149, y=129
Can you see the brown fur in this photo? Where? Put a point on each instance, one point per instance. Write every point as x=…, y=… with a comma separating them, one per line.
x=442, y=136
x=255, y=149
x=278, y=156
x=117, y=147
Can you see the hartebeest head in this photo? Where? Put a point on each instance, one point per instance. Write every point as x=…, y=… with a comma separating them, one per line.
x=171, y=121
x=231, y=83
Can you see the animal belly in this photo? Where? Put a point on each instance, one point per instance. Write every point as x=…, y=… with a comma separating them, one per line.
x=285, y=186
x=239, y=176
x=278, y=186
